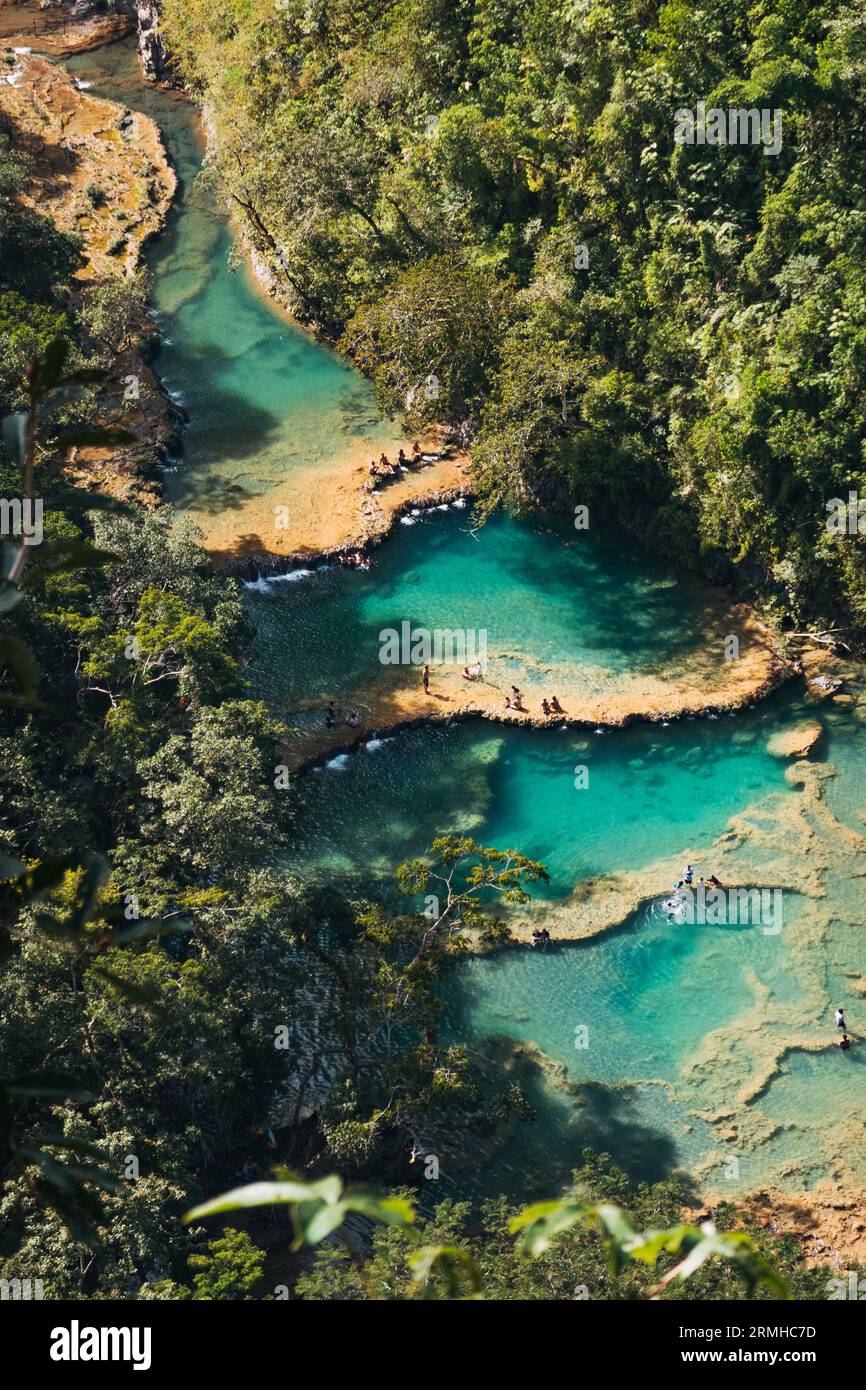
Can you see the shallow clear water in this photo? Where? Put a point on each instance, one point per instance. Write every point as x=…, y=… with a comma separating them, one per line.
x=545, y=602
x=263, y=396
x=650, y=789
x=683, y=1022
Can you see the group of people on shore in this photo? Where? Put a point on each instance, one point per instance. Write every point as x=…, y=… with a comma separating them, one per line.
x=356, y=560
x=548, y=706
x=514, y=701
x=382, y=469
x=686, y=882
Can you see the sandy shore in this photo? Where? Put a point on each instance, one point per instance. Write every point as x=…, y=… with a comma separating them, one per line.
x=828, y=1223
x=316, y=513
x=590, y=697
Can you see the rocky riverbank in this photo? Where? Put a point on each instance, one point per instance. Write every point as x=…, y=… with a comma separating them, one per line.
x=100, y=172
x=64, y=26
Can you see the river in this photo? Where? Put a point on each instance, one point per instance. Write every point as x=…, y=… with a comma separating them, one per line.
x=710, y=1047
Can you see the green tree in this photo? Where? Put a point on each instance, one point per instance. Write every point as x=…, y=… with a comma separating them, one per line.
x=230, y=1268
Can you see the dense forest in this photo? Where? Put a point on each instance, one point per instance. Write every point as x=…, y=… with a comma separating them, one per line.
x=491, y=193
x=422, y=178
x=164, y=991
x=164, y=988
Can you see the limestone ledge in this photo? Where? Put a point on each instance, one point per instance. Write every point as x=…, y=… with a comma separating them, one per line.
x=102, y=173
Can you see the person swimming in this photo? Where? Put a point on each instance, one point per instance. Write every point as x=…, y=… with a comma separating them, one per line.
x=844, y=1042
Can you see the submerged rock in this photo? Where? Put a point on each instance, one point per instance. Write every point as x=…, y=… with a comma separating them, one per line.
x=796, y=742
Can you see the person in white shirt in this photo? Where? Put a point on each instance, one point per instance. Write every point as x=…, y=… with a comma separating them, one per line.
x=840, y=1019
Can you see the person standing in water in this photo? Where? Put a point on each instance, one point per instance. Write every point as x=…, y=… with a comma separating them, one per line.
x=425, y=679
x=840, y=1019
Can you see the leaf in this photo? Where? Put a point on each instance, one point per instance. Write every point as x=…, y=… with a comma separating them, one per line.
x=21, y=663
x=47, y=874
x=48, y=368
x=48, y=1085
x=69, y=1176
x=14, y=436
x=544, y=1220
x=57, y=931
x=79, y=1210
x=62, y=1141
x=86, y=376
x=142, y=995
x=61, y=556
x=97, y=870
x=320, y=1207
x=315, y=1220
x=149, y=927
x=648, y=1245
x=391, y=1211
x=254, y=1194
x=80, y=500
x=94, y=437
x=735, y=1246
x=72, y=388
x=10, y=596
x=455, y=1266
x=22, y=702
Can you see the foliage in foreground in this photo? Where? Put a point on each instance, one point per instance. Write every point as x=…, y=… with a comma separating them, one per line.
x=406, y=1264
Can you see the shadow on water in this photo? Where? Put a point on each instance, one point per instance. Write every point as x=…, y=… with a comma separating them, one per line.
x=639, y=608
x=529, y=1157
